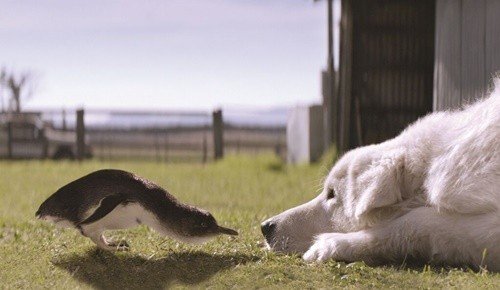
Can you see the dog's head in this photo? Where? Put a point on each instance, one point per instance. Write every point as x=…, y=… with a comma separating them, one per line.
x=358, y=192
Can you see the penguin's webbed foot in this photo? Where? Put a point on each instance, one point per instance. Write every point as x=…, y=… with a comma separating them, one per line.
x=103, y=243
x=119, y=245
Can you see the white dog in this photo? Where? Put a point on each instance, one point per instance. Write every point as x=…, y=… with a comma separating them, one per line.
x=432, y=194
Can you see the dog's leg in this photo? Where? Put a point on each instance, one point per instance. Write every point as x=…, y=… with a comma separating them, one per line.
x=347, y=247
x=423, y=234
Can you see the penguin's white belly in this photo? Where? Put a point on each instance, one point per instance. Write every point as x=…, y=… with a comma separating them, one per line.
x=126, y=216
x=59, y=222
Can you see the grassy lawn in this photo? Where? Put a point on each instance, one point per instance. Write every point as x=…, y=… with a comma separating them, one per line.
x=240, y=192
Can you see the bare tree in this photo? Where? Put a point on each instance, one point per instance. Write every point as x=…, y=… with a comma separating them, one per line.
x=19, y=86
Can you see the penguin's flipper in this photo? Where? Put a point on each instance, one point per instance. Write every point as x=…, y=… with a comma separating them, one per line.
x=107, y=205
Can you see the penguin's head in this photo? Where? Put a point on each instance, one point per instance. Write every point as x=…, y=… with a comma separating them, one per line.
x=201, y=224
x=49, y=207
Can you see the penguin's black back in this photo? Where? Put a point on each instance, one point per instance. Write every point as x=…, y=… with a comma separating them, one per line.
x=73, y=200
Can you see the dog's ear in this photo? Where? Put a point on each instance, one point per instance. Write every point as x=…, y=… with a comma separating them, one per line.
x=381, y=184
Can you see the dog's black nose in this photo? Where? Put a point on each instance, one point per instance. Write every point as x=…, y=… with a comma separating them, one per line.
x=268, y=228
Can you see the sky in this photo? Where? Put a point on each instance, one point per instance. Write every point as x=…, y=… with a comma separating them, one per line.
x=166, y=54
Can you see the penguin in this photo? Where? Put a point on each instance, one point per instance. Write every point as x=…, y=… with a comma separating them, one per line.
x=112, y=199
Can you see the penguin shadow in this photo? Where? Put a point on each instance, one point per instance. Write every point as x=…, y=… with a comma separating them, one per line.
x=105, y=270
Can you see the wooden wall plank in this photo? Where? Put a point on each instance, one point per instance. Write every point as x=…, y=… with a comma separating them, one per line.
x=467, y=50
x=473, y=49
x=393, y=49
x=447, y=68
x=345, y=71
x=492, y=55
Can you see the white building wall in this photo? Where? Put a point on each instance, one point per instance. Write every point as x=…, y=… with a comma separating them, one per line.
x=304, y=134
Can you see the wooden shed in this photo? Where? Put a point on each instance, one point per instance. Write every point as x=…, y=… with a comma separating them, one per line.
x=401, y=59
x=467, y=50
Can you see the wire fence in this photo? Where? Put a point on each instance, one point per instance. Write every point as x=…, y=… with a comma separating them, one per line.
x=162, y=136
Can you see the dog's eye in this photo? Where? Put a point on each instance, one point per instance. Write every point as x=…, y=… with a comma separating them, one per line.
x=330, y=194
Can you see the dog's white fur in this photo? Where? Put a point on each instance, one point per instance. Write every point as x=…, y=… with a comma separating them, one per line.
x=431, y=194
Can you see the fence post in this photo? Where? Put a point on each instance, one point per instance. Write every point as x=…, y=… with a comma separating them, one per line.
x=9, y=140
x=64, y=125
x=157, y=146
x=80, y=134
x=204, y=158
x=218, y=131
x=102, y=148
x=45, y=145
x=165, y=155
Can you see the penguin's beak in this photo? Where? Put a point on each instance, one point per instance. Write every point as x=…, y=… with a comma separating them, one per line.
x=227, y=231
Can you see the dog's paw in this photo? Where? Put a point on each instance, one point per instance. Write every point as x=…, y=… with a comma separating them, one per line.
x=327, y=246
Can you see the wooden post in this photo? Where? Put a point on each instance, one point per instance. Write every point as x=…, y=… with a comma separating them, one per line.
x=204, y=158
x=64, y=125
x=345, y=70
x=108, y=143
x=80, y=134
x=328, y=123
x=277, y=148
x=9, y=140
x=330, y=106
x=218, y=131
x=157, y=146
x=102, y=147
x=165, y=155
x=45, y=144
x=238, y=144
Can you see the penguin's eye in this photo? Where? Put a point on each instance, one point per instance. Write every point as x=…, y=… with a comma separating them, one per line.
x=203, y=225
x=330, y=194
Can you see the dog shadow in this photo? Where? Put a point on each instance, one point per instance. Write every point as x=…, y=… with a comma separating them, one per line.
x=104, y=270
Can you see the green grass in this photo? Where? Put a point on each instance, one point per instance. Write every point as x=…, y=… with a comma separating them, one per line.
x=240, y=192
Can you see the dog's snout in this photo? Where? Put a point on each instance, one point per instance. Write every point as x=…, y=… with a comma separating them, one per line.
x=268, y=228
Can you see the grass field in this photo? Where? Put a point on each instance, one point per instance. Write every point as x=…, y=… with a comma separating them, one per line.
x=240, y=192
